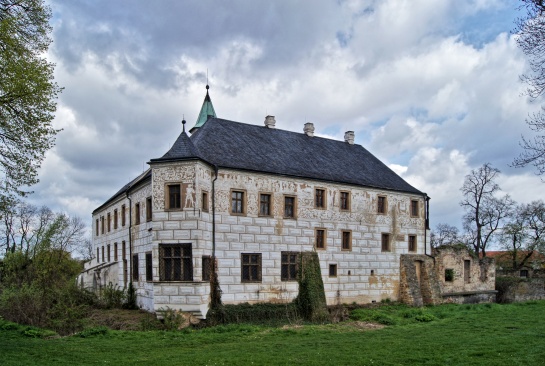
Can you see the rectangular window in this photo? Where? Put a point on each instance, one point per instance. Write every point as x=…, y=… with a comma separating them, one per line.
x=102, y=228
x=123, y=209
x=108, y=253
x=98, y=255
x=115, y=252
x=345, y=201
x=206, y=267
x=381, y=206
x=125, y=273
x=123, y=250
x=137, y=214
x=174, y=196
x=264, y=205
x=115, y=219
x=149, y=267
x=96, y=227
x=385, y=238
x=412, y=243
x=414, y=208
x=237, y=202
x=175, y=262
x=346, y=240
x=320, y=239
x=135, y=267
x=148, y=209
x=109, y=222
x=289, y=207
x=319, y=198
x=449, y=275
x=251, y=267
x=467, y=271
x=205, y=201
x=289, y=266
x=524, y=273
x=103, y=257
x=332, y=270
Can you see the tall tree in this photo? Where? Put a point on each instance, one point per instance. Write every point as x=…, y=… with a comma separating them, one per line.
x=484, y=211
x=27, y=94
x=524, y=235
x=444, y=234
x=531, y=40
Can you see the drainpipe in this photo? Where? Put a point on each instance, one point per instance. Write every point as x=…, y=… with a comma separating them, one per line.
x=130, y=234
x=427, y=226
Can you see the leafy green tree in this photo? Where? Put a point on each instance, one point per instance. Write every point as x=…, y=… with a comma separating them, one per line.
x=27, y=94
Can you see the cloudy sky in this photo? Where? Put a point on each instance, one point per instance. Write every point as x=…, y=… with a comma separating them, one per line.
x=431, y=87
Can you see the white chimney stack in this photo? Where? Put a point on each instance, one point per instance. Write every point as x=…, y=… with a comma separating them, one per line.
x=349, y=137
x=270, y=122
x=309, y=129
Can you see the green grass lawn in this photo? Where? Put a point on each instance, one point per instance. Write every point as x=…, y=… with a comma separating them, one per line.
x=488, y=334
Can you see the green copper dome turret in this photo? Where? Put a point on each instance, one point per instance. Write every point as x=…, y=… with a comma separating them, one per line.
x=207, y=111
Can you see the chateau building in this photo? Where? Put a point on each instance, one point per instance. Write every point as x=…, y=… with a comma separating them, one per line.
x=254, y=197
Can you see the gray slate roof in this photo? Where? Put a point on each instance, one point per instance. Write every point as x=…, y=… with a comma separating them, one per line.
x=236, y=145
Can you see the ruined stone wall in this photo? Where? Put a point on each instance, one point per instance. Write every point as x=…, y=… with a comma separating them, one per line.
x=419, y=283
x=512, y=287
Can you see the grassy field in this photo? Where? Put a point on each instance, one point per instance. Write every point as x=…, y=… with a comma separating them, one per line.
x=488, y=334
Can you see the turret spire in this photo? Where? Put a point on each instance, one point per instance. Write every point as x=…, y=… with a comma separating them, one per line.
x=207, y=111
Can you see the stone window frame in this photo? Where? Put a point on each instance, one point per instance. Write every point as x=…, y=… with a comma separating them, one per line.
x=348, y=201
x=206, y=270
x=149, y=209
x=270, y=204
x=135, y=268
x=185, y=260
x=123, y=250
x=102, y=227
x=204, y=201
x=115, y=219
x=115, y=252
x=103, y=256
x=149, y=267
x=97, y=227
x=414, y=208
x=109, y=221
x=244, y=202
x=382, y=204
x=246, y=263
x=123, y=213
x=323, y=203
x=294, y=216
x=137, y=213
x=286, y=264
x=348, y=247
x=412, y=243
x=168, y=206
x=333, y=270
x=385, y=242
x=108, y=253
x=98, y=255
x=317, y=238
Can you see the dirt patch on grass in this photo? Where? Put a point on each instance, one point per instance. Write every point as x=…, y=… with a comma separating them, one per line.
x=119, y=319
x=364, y=325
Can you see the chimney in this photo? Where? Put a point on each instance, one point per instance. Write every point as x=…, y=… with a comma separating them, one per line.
x=349, y=137
x=309, y=129
x=270, y=122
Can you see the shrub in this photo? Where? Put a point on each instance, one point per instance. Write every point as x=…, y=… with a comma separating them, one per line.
x=91, y=332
